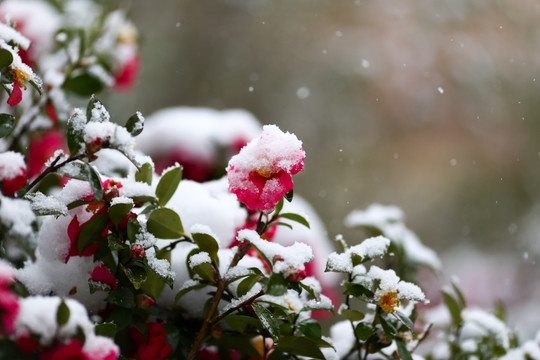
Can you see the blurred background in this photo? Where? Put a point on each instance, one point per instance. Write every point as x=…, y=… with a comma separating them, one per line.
x=430, y=105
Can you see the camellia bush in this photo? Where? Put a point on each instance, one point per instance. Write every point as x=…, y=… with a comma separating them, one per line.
x=180, y=237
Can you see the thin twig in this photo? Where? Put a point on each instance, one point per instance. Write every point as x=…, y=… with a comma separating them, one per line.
x=233, y=309
x=52, y=168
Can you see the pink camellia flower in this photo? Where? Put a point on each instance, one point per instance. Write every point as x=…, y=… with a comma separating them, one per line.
x=42, y=146
x=155, y=345
x=261, y=174
x=12, y=172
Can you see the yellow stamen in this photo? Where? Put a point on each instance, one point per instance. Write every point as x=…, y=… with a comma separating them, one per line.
x=389, y=302
x=20, y=77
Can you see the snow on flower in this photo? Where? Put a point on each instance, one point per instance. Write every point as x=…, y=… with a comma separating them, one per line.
x=12, y=172
x=261, y=174
x=390, y=220
x=391, y=290
x=197, y=138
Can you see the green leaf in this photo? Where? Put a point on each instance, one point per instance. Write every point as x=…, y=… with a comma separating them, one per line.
x=241, y=322
x=95, y=182
x=91, y=104
x=168, y=183
x=204, y=270
x=91, y=232
x=358, y=290
x=402, y=350
x=137, y=275
x=155, y=283
x=77, y=203
x=164, y=223
x=135, y=124
x=310, y=291
x=453, y=308
x=76, y=170
x=246, y=285
x=75, y=132
x=299, y=346
x=133, y=228
x=267, y=320
x=206, y=242
x=364, y=331
x=388, y=328
x=295, y=217
x=117, y=212
x=84, y=84
x=107, y=329
x=145, y=174
x=123, y=297
x=6, y=58
x=311, y=328
x=7, y=124
x=197, y=285
x=278, y=208
x=352, y=315
x=240, y=343
x=278, y=223
x=462, y=302
x=405, y=320
x=277, y=285
x=289, y=196
x=62, y=313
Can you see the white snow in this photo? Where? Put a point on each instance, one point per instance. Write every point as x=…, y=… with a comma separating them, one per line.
x=41, y=202
x=478, y=323
x=17, y=216
x=199, y=258
x=11, y=165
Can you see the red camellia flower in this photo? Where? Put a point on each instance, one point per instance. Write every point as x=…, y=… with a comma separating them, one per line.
x=261, y=174
x=9, y=304
x=12, y=172
x=155, y=347
x=126, y=77
x=73, y=350
x=101, y=273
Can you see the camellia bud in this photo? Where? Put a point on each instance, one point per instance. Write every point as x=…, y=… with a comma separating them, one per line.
x=144, y=301
x=94, y=145
x=216, y=332
x=137, y=251
x=296, y=275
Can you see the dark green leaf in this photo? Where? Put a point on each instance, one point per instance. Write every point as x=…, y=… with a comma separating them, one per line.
x=207, y=243
x=184, y=291
x=75, y=132
x=240, y=343
x=95, y=182
x=155, y=283
x=76, y=170
x=295, y=217
x=358, y=290
x=267, y=320
x=144, y=174
x=113, y=244
x=311, y=328
x=299, y=346
x=278, y=223
x=84, y=84
x=136, y=275
x=388, y=328
x=118, y=211
x=77, y=203
x=6, y=58
x=402, y=350
x=241, y=322
x=133, y=228
x=62, y=313
x=164, y=223
x=363, y=331
x=204, y=270
x=277, y=285
x=168, y=183
x=310, y=291
x=107, y=329
x=453, y=308
x=135, y=124
x=278, y=208
x=289, y=196
x=123, y=297
x=7, y=124
x=405, y=320
x=246, y=285
x=91, y=104
x=122, y=317
x=352, y=315
x=91, y=232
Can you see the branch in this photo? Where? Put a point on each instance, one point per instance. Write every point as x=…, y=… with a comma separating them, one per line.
x=242, y=304
x=52, y=168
